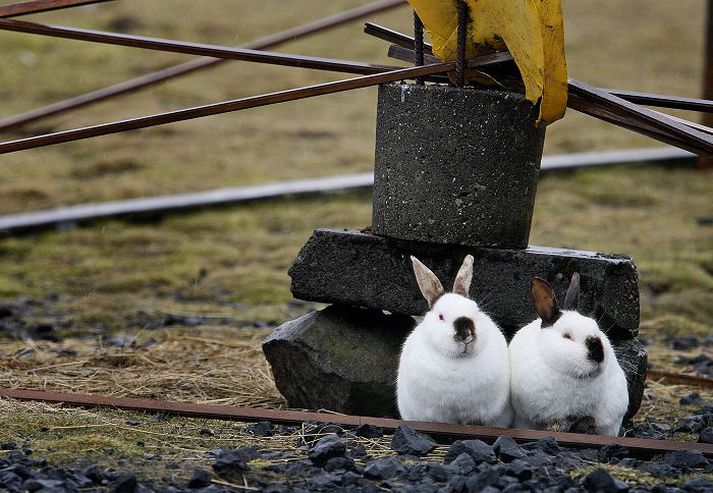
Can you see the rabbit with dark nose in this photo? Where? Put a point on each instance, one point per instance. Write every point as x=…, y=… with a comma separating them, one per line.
x=454, y=365
x=563, y=368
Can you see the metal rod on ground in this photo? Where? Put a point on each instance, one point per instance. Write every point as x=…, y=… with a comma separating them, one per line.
x=71, y=215
x=440, y=431
x=191, y=66
x=174, y=46
x=224, y=107
x=680, y=379
x=37, y=6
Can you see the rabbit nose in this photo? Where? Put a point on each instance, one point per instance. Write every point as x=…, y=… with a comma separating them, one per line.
x=595, y=349
x=465, y=328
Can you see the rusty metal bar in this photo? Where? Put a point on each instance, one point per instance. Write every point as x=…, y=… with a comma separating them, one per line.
x=224, y=107
x=189, y=48
x=395, y=37
x=664, y=100
x=440, y=431
x=191, y=66
x=462, y=36
x=680, y=379
x=603, y=105
x=37, y=6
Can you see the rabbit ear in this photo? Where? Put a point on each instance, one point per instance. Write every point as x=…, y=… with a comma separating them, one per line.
x=543, y=297
x=428, y=283
x=465, y=275
x=571, y=299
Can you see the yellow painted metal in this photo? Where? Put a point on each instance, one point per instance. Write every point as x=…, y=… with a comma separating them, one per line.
x=532, y=30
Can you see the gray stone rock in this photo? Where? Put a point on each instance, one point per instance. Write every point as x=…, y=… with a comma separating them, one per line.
x=343, y=359
x=362, y=269
x=455, y=165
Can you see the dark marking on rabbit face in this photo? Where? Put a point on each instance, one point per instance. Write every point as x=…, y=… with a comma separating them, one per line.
x=595, y=349
x=465, y=329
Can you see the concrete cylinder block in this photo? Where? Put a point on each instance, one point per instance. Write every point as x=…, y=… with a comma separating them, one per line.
x=455, y=165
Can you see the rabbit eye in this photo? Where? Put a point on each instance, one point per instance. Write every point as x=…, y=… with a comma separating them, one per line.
x=567, y=336
x=441, y=317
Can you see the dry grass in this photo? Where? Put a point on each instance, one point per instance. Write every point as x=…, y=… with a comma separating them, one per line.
x=213, y=365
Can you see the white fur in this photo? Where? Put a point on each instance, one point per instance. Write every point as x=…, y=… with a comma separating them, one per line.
x=443, y=380
x=552, y=379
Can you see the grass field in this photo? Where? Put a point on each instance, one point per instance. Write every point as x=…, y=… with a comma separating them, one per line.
x=125, y=277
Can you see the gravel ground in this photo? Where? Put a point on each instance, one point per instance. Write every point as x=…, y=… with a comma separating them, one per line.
x=335, y=463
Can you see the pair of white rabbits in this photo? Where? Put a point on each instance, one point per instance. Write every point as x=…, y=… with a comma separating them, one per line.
x=456, y=366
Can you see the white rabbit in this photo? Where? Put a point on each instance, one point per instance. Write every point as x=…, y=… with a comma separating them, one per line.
x=563, y=368
x=454, y=365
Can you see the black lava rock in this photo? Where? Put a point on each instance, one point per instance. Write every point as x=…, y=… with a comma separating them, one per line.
x=231, y=461
x=684, y=343
x=427, y=470
x=463, y=464
x=42, y=331
x=600, y=481
x=613, y=451
x=690, y=399
x=482, y=480
x=200, y=479
x=124, y=483
x=519, y=469
x=685, y=458
x=326, y=448
x=369, y=431
x=507, y=449
x=706, y=435
x=407, y=442
x=547, y=445
x=340, y=464
x=8, y=446
x=698, y=485
x=383, y=469
x=261, y=429
x=478, y=450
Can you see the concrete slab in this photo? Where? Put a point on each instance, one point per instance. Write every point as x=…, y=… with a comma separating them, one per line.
x=361, y=269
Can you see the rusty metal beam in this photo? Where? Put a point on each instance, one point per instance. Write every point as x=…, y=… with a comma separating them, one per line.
x=191, y=66
x=224, y=107
x=37, y=6
x=441, y=431
x=189, y=48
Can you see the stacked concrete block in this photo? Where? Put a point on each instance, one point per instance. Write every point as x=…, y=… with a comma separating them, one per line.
x=456, y=173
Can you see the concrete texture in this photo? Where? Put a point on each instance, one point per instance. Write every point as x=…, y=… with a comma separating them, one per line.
x=362, y=269
x=346, y=360
x=455, y=165
x=342, y=359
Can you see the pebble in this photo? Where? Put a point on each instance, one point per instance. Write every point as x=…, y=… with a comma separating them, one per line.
x=383, y=469
x=507, y=449
x=200, y=479
x=407, y=442
x=600, y=481
x=326, y=448
x=369, y=431
x=478, y=450
x=261, y=429
x=685, y=458
x=230, y=461
x=684, y=343
x=690, y=399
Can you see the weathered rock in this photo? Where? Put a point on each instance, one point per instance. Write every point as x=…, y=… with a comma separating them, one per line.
x=362, y=269
x=455, y=165
x=478, y=450
x=407, y=441
x=327, y=448
x=633, y=359
x=507, y=449
x=343, y=359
